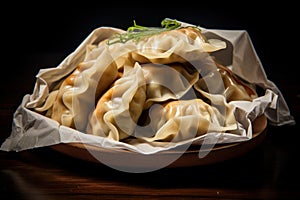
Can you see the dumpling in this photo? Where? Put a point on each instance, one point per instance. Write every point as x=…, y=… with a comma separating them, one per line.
x=182, y=120
x=119, y=109
x=180, y=45
x=76, y=96
x=165, y=82
x=220, y=80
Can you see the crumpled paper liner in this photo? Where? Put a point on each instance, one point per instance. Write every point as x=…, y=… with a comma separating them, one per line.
x=32, y=130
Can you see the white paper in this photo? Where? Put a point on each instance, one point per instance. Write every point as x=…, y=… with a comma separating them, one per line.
x=32, y=130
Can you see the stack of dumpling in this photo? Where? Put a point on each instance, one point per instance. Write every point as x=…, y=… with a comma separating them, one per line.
x=166, y=87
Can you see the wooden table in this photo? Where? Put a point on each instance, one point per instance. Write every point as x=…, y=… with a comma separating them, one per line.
x=270, y=171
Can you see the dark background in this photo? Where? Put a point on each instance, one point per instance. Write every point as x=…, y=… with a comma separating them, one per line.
x=28, y=29
x=41, y=35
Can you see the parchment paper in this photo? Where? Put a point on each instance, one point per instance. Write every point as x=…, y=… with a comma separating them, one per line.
x=32, y=130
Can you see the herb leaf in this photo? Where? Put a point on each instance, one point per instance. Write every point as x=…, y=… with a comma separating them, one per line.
x=136, y=32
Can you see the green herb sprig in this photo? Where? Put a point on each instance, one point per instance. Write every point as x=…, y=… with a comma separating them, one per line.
x=136, y=32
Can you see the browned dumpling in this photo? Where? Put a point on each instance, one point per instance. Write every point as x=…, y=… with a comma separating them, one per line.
x=180, y=45
x=165, y=82
x=119, y=109
x=63, y=108
x=186, y=119
x=222, y=81
x=72, y=102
